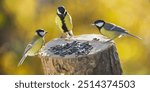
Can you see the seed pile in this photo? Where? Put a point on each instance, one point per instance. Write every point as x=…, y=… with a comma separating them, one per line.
x=75, y=47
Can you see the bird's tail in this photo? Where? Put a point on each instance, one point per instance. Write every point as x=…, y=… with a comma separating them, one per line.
x=134, y=36
x=22, y=60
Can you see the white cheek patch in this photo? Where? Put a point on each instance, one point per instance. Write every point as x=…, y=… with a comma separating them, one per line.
x=58, y=11
x=42, y=33
x=99, y=24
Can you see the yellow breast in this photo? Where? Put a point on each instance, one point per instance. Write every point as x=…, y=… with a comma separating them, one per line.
x=109, y=34
x=59, y=23
x=67, y=22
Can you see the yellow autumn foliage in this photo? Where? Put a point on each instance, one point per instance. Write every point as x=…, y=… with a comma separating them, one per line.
x=19, y=20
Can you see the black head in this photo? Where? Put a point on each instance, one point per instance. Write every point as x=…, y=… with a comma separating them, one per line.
x=40, y=32
x=61, y=10
x=99, y=23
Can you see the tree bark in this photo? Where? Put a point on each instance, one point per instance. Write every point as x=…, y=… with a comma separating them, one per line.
x=101, y=60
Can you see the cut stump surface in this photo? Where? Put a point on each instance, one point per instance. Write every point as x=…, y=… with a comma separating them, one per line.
x=101, y=59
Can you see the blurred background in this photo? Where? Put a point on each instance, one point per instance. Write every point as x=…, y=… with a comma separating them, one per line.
x=20, y=18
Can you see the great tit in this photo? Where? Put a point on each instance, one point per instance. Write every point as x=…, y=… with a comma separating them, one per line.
x=34, y=46
x=111, y=30
x=64, y=21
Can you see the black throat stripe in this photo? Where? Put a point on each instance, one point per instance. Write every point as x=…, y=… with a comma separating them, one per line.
x=64, y=27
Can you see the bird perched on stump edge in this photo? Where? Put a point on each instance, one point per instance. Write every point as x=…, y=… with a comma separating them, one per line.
x=34, y=46
x=110, y=30
x=64, y=21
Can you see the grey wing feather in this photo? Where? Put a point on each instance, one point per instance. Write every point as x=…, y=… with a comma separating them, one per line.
x=108, y=26
x=29, y=46
x=113, y=27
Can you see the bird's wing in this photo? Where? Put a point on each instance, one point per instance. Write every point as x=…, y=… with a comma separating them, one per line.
x=59, y=23
x=113, y=27
x=30, y=45
x=122, y=31
x=56, y=20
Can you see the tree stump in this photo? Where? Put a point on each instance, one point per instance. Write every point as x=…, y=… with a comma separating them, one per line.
x=101, y=59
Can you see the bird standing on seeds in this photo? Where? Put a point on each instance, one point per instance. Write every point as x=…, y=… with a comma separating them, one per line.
x=64, y=21
x=34, y=46
x=111, y=30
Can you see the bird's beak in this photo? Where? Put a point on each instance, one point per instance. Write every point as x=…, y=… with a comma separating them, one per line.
x=45, y=32
x=93, y=24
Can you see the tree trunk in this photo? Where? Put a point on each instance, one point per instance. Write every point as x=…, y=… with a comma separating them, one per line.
x=99, y=58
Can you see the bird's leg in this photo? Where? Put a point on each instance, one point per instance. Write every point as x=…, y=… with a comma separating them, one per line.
x=68, y=36
x=110, y=40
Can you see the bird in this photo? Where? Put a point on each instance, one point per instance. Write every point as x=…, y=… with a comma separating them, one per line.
x=111, y=30
x=34, y=46
x=64, y=22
